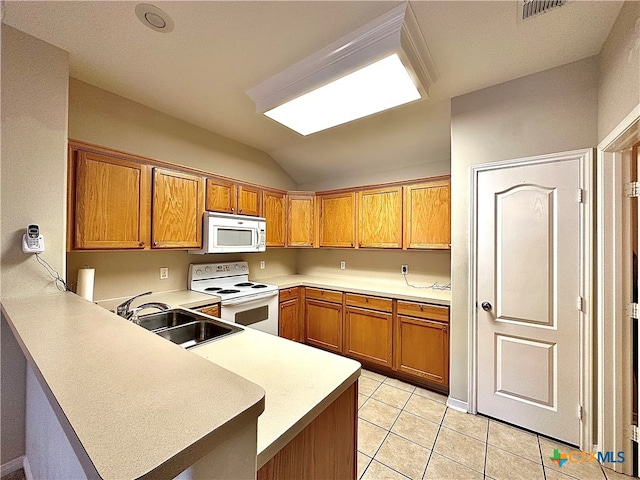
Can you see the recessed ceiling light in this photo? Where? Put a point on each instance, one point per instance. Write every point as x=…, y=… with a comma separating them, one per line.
x=154, y=18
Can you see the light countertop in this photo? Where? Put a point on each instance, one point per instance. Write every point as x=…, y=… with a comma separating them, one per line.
x=138, y=404
x=364, y=287
x=175, y=298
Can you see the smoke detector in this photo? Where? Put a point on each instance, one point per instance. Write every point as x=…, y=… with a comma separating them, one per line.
x=530, y=8
x=154, y=18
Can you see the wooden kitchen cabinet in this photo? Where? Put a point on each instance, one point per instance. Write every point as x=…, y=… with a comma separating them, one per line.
x=290, y=319
x=177, y=208
x=300, y=220
x=230, y=197
x=421, y=344
x=427, y=215
x=108, y=205
x=275, y=211
x=323, y=319
x=380, y=218
x=337, y=219
x=213, y=310
x=369, y=329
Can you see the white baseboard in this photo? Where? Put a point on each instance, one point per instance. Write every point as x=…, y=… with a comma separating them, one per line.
x=27, y=469
x=12, y=466
x=457, y=404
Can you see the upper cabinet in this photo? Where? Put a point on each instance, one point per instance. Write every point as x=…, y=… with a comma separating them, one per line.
x=274, y=207
x=337, y=219
x=178, y=205
x=108, y=204
x=380, y=218
x=230, y=197
x=427, y=215
x=301, y=220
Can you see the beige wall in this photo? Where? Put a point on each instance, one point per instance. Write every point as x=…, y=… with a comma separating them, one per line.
x=103, y=118
x=619, y=70
x=34, y=133
x=381, y=265
x=551, y=111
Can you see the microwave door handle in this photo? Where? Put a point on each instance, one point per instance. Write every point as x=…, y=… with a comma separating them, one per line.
x=241, y=301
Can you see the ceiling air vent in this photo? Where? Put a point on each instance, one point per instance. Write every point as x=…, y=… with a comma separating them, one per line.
x=531, y=8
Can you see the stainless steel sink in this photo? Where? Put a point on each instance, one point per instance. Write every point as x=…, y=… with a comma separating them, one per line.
x=166, y=319
x=185, y=328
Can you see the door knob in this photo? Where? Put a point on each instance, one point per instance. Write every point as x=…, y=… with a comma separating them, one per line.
x=486, y=306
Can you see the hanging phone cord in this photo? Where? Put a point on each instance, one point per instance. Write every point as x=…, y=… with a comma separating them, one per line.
x=59, y=281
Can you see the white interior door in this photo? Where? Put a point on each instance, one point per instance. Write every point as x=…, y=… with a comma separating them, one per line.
x=529, y=296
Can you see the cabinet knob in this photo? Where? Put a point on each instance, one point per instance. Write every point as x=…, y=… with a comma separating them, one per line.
x=232, y=209
x=141, y=244
x=240, y=210
x=155, y=244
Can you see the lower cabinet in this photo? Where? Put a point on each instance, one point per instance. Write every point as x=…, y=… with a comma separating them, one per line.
x=323, y=319
x=289, y=319
x=422, y=341
x=368, y=325
x=402, y=338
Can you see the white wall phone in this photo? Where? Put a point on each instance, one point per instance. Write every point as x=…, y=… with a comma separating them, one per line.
x=32, y=241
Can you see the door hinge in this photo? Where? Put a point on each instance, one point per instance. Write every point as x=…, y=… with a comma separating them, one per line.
x=632, y=310
x=580, y=195
x=632, y=189
x=580, y=304
x=580, y=412
x=633, y=432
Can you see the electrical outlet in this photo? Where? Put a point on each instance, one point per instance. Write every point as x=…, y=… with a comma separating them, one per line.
x=262, y=263
x=164, y=273
x=404, y=269
x=343, y=265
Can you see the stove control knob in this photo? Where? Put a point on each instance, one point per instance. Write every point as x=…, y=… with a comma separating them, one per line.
x=236, y=266
x=207, y=269
x=244, y=268
x=198, y=272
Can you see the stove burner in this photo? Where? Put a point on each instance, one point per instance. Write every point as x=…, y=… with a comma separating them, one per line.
x=212, y=289
x=230, y=290
x=243, y=284
x=259, y=286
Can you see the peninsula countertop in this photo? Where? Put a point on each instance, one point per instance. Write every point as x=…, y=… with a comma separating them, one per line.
x=138, y=404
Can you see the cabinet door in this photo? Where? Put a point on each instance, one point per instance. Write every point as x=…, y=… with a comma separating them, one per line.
x=111, y=203
x=249, y=201
x=274, y=209
x=369, y=335
x=323, y=325
x=427, y=215
x=300, y=220
x=221, y=196
x=290, y=325
x=178, y=204
x=380, y=218
x=422, y=349
x=337, y=220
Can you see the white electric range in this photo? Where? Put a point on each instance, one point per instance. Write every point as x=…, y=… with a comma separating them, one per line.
x=252, y=304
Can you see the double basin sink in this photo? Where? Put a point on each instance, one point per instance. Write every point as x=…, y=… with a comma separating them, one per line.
x=186, y=328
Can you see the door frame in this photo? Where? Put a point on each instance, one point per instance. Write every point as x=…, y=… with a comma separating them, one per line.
x=586, y=159
x=615, y=395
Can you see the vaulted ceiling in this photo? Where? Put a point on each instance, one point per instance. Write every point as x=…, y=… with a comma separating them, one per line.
x=200, y=72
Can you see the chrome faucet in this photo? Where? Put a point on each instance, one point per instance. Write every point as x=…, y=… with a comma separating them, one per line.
x=132, y=313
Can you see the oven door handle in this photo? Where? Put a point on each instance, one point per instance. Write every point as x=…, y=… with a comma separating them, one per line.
x=241, y=301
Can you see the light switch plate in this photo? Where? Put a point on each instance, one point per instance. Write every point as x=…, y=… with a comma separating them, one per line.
x=343, y=265
x=262, y=263
x=164, y=273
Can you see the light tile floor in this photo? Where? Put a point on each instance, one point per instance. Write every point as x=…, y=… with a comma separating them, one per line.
x=408, y=432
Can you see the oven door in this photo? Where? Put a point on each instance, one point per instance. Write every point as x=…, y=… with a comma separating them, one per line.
x=259, y=312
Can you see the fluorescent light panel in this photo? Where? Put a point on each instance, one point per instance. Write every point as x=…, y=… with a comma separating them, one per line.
x=382, y=85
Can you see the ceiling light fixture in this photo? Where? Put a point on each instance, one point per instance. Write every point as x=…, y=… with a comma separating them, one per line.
x=384, y=64
x=154, y=18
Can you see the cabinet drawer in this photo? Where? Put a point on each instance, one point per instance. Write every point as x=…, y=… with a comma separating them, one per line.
x=373, y=303
x=288, y=294
x=423, y=310
x=213, y=310
x=326, y=295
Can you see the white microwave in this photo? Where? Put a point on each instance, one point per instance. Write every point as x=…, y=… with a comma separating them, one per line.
x=226, y=233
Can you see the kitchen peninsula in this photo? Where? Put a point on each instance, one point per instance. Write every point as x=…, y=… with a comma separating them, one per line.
x=134, y=405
